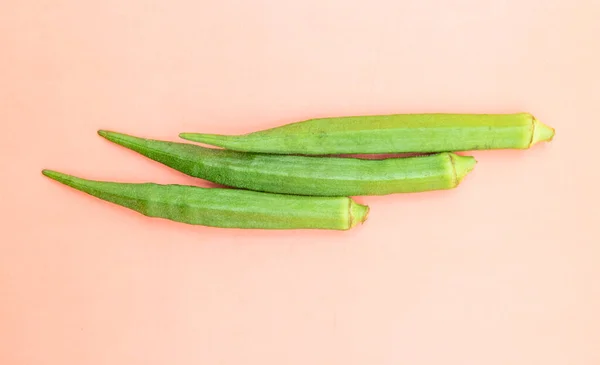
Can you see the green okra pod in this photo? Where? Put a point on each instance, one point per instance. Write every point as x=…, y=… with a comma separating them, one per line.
x=225, y=208
x=397, y=133
x=304, y=175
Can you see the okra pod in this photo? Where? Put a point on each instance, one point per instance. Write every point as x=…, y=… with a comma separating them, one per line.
x=397, y=133
x=304, y=175
x=225, y=208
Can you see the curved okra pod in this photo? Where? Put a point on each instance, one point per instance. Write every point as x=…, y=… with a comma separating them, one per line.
x=226, y=208
x=398, y=133
x=304, y=175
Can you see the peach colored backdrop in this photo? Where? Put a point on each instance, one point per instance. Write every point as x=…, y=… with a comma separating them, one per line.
x=503, y=270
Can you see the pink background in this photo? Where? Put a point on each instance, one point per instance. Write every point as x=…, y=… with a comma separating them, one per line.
x=503, y=270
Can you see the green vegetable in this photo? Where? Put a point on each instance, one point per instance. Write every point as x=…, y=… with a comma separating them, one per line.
x=304, y=175
x=227, y=208
x=398, y=133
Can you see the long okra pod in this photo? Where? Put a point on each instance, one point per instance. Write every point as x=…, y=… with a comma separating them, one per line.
x=397, y=133
x=304, y=175
x=226, y=208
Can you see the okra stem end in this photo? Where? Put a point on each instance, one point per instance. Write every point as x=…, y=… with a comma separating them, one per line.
x=358, y=213
x=462, y=166
x=541, y=132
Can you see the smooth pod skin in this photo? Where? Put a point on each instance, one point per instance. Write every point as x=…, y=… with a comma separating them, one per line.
x=225, y=208
x=399, y=133
x=304, y=175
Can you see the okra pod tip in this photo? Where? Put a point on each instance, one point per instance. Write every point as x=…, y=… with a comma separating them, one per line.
x=54, y=175
x=104, y=133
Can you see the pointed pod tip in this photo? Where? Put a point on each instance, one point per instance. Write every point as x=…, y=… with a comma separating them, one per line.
x=50, y=173
x=188, y=136
x=110, y=135
x=211, y=139
x=54, y=175
x=47, y=172
x=119, y=138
